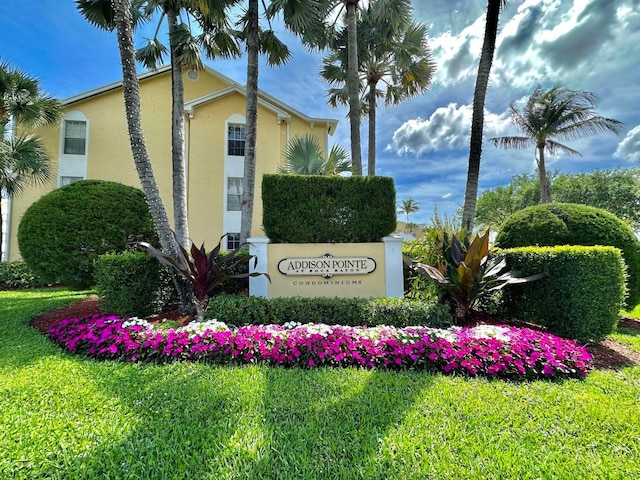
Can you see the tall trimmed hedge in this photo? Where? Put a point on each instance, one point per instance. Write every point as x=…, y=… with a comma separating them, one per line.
x=572, y=224
x=580, y=297
x=66, y=230
x=324, y=209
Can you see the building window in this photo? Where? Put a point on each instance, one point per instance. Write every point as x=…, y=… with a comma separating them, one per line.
x=69, y=180
x=235, y=140
x=75, y=137
x=234, y=194
x=233, y=241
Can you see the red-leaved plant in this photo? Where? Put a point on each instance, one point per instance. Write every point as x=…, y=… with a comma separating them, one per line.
x=205, y=271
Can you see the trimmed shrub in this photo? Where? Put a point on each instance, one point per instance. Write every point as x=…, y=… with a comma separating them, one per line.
x=324, y=209
x=396, y=312
x=65, y=231
x=572, y=224
x=18, y=275
x=581, y=296
x=128, y=283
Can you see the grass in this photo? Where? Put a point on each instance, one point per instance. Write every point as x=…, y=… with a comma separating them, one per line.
x=67, y=417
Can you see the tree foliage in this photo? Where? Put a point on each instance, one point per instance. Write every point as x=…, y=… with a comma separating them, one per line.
x=614, y=190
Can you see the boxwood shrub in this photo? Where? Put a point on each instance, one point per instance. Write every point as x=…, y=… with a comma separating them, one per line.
x=324, y=209
x=572, y=224
x=398, y=312
x=62, y=233
x=581, y=296
x=18, y=275
x=128, y=283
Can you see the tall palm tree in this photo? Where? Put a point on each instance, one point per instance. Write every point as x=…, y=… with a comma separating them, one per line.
x=215, y=41
x=23, y=158
x=316, y=27
x=477, y=120
x=277, y=53
x=408, y=206
x=555, y=113
x=303, y=156
x=119, y=15
x=392, y=49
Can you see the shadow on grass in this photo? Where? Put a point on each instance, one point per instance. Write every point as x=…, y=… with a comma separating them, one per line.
x=255, y=422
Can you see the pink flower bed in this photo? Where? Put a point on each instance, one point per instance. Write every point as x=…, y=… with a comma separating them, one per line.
x=492, y=351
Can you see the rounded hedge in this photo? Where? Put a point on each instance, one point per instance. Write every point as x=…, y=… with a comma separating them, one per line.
x=66, y=230
x=572, y=224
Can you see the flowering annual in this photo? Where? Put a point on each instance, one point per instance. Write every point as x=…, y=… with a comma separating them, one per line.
x=488, y=350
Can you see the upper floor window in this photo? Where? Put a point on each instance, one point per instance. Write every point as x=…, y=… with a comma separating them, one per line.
x=75, y=137
x=234, y=194
x=235, y=140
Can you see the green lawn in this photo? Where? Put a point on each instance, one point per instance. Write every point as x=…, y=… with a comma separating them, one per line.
x=67, y=417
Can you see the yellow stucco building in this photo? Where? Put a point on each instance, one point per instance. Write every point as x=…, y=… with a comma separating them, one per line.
x=91, y=142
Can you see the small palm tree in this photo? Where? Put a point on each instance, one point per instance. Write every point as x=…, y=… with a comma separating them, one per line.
x=555, y=113
x=408, y=206
x=303, y=156
x=23, y=158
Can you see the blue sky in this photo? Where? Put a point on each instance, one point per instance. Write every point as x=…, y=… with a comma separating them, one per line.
x=590, y=45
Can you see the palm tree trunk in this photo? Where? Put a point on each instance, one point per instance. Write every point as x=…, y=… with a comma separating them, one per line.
x=371, y=154
x=545, y=184
x=352, y=82
x=131, y=91
x=248, y=184
x=477, y=120
x=180, y=218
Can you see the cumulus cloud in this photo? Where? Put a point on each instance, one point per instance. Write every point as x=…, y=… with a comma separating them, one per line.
x=629, y=148
x=448, y=128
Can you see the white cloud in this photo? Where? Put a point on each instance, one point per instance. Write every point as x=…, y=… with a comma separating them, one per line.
x=629, y=148
x=448, y=128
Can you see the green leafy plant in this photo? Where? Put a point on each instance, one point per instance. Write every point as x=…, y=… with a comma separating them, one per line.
x=205, y=271
x=467, y=274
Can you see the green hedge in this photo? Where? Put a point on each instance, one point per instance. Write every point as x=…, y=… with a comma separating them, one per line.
x=323, y=209
x=128, y=283
x=61, y=234
x=572, y=224
x=397, y=312
x=18, y=275
x=581, y=296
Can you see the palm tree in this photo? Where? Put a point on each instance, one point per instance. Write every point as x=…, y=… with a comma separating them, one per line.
x=477, y=120
x=408, y=206
x=118, y=15
x=393, y=50
x=555, y=113
x=277, y=53
x=303, y=156
x=23, y=158
x=316, y=30
x=184, y=52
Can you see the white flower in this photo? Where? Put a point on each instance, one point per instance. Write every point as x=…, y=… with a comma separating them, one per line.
x=140, y=322
x=198, y=328
x=489, y=331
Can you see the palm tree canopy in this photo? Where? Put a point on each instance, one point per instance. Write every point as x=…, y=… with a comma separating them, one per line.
x=392, y=49
x=303, y=156
x=23, y=161
x=408, y=205
x=557, y=113
x=22, y=101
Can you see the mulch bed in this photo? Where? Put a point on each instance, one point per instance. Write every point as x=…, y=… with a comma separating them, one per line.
x=607, y=355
